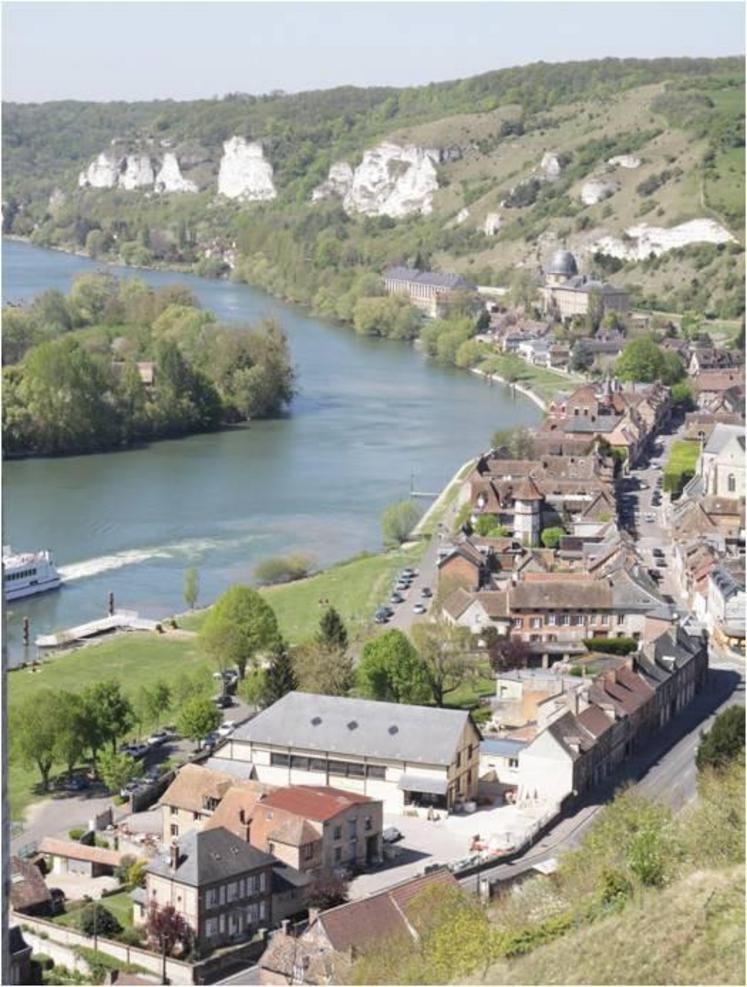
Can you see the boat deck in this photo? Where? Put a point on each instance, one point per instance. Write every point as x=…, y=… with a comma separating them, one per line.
x=120, y=620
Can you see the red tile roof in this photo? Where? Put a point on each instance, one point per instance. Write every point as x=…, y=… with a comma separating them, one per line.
x=318, y=802
x=79, y=851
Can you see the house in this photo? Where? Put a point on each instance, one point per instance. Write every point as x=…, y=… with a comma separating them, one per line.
x=499, y=760
x=722, y=461
x=218, y=883
x=566, y=293
x=712, y=386
x=402, y=755
x=428, y=290
x=325, y=950
x=708, y=358
x=726, y=603
x=67, y=857
x=191, y=799
x=310, y=828
x=146, y=371
x=477, y=611
x=28, y=889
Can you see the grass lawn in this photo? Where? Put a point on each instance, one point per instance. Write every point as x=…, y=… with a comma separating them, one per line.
x=135, y=659
x=681, y=465
x=354, y=588
x=120, y=905
x=545, y=383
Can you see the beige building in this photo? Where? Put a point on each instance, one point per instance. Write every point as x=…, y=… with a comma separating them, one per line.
x=566, y=293
x=401, y=755
x=191, y=799
x=722, y=462
x=218, y=883
x=427, y=290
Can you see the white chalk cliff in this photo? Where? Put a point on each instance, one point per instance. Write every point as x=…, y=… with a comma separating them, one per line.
x=625, y=161
x=170, y=178
x=643, y=240
x=337, y=185
x=103, y=172
x=550, y=166
x=492, y=224
x=597, y=190
x=244, y=172
x=137, y=172
x=394, y=181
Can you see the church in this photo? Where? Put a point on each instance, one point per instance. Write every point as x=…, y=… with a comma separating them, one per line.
x=566, y=293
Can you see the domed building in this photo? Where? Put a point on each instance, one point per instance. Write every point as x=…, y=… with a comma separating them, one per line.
x=566, y=293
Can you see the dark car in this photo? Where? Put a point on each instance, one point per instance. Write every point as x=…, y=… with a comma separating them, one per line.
x=77, y=784
x=396, y=598
x=426, y=591
x=223, y=702
x=655, y=574
x=658, y=553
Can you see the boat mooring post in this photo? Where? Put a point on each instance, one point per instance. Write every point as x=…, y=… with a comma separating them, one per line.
x=26, y=628
x=111, y=603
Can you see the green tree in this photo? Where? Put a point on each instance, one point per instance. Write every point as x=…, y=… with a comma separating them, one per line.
x=34, y=732
x=487, y=526
x=724, y=742
x=550, y=537
x=683, y=395
x=191, y=587
x=517, y=441
x=199, y=716
x=644, y=360
x=283, y=568
x=582, y=358
x=397, y=523
x=95, y=919
x=332, y=631
x=238, y=627
x=69, y=713
x=390, y=669
x=280, y=675
x=522, y=288
x=109, y=715
x=446, y=653
x=319, y=668
x=116, y=769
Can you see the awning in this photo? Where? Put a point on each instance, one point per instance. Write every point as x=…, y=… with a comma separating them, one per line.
x=421, y=783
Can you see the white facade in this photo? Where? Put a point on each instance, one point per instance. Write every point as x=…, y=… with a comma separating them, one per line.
x=545, y=770
x=722, y=463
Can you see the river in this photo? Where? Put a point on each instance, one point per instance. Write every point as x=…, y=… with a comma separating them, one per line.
x=370, y=415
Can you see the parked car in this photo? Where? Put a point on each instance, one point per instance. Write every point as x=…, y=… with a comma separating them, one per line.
x=426, y=591
x=226, y=728
x=418, y=608
x=77, y=784
x=661, y=563
x=159, y=737
x=135, y=749
x=655, y=574
x=391, y=834
x=658, y=553
x=223, y=702
x=396, y=598
x=649, y=517
x=409, y=573
x=208, y=742
x=127, y=790
x=381, y=618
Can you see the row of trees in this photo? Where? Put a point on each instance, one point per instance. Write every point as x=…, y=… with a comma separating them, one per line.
x=77, y=387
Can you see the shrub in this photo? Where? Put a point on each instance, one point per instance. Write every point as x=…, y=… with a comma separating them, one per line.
x=76, y=832
x=283, y=568
x=550, y=537
x=94, y=916
x=724, y=742
x=611, y=645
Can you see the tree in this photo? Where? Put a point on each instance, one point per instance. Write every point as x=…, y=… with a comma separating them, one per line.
x=96, y=920
x=644, y=360
x=446, y=653
x=191, y=587
x=332, y=630
x=397, y=523
x=109, y=715
x=280, y=675
x=199, y=717
x=518, y=442
x=69, y=713
x=550, y=537
x=582, y=357
x=283, y=568
x=505, y=652
x=166, y=929
x=683, y=395
x=327, y=890
x=328, y=671
x=522, y=288
x=487, y=526
x=116, y=769
x=238, y=627
x=390, y=669
x=724, y=742
x=34, y=732
x=253, y=688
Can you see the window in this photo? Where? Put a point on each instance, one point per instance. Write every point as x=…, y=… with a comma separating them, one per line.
x=356, y=770
x=604, y=618
x=173, y=810
x=368, y=825
x=517, y=622
x=211, y=898
x=195, y=816
x=211, y=928
x=232, y=891
x=174, y=829
x=732, y=483
x=577, y=619
x=459, y=758
x=318, y=764
x=513, y=762
x=352, y=828
x=279, y=760
x=263, y=882
x=252, y=885
x=302, y=763
x=338, y=854
x=376, y=771
x=565, y=619
x=551, y=619
x=308, y=851
x=337, y=833
x=620, y=619
x=337, y=768
x=263, y=910
x=535, y=622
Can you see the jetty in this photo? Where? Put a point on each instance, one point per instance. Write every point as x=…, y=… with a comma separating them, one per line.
x=120, y=620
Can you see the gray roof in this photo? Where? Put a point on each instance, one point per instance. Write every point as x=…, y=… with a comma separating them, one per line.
x=359, y=727
x=286, y=878
x=448, y=281
x=721, y=436
x=209, y=856
x=238, y=769
x=423, y=784
x=502, y=748
x=563, y=262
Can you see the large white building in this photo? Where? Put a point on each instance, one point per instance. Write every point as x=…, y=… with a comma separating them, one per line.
x=722, y=462
x=403, y=755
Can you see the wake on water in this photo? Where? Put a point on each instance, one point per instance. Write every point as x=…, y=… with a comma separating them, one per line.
x=193, y=548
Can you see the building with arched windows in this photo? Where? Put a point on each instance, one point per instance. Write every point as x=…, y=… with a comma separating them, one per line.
x=722, y=461
x=566, y=293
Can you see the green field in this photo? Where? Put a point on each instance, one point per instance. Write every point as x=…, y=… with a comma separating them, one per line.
x=681, y=465
x=544, y=383
x=120, y=905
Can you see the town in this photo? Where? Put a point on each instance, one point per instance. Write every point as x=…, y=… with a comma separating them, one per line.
x=589, y=573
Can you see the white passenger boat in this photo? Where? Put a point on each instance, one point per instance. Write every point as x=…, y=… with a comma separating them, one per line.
x=28, y=573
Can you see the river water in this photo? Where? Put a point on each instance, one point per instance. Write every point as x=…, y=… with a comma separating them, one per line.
x=370, y=416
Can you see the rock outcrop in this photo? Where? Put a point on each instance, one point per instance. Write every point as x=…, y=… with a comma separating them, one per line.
x=597, y=190
x=643, y=240
x=136, y=172
x=550, y=166
x=337, y=185
x=103, y=172
x=492, y=224
x=461, y=216
x=170, y=178
x=394, y=181
x=244, y=172
x=625, y=161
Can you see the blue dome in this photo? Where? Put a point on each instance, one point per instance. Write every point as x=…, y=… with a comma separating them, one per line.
x=563, y=262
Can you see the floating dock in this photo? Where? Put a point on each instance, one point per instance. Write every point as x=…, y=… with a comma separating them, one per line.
x=120, y=620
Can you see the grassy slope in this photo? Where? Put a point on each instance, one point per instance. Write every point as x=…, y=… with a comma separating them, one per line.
x=683, y=456
x=690, y=933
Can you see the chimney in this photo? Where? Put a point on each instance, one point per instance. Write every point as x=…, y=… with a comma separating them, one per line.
x=284, y=926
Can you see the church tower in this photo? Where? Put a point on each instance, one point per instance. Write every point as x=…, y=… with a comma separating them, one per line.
x=528, y=512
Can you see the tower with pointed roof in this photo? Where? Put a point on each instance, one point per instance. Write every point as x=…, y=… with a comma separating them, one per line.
x=528, y=512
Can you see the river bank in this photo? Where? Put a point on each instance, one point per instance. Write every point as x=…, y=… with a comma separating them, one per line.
x=496, y=378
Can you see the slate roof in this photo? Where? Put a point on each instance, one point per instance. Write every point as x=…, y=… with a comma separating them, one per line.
x=502, y=747
x=450, y=282
x=359, y=727
x=209, y=856
x=581, y=595
x=721, y=436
